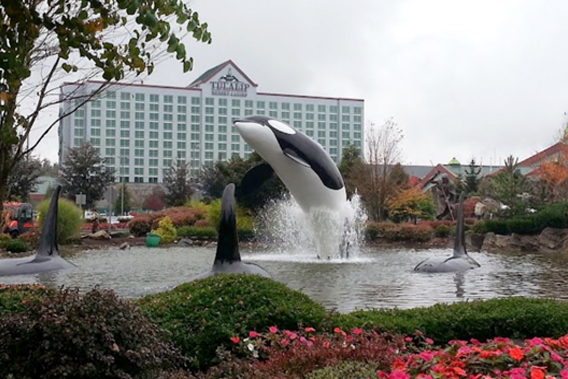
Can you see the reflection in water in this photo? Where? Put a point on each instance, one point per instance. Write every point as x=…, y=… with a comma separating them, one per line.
x=376, y=278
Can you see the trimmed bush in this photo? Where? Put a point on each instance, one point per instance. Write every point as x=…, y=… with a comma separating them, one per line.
x=522, y=225
x=205, y=314
x=16, y=246
x=180, y=216
x=514, y=317
x=497, y=226
x=346, y=370
x=3, y=238
x=31, y=238
x=408, y=233
x=166, y=230
x=96, y=335
x=376, y=230
x=69, y=219
x=195, y=232
x=16, y=297
x=442, y=231
x=245, y=234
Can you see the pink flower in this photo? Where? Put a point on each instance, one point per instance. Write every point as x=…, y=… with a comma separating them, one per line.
x=254, y=334
x=273, y=329
x=426, y=355
x=464, y=350
x=408, y=339
x=564, y=374
x=357, y=331
x=303, y=339
x=326, y=344
x=309, y=343
x=535, y=342
x=310, y=329
x=235, y=339
x=429, y=341
x=556, y=357
x=396, y=374
x=285, y=342
x=337, y=330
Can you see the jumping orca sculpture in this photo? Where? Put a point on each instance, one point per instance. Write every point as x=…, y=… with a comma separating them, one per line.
x=227, y=257
x=306, y=170
x=47, y=256
x=302, y=164
x=460, y=260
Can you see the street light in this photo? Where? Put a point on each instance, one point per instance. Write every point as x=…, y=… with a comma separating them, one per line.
x=122, y=180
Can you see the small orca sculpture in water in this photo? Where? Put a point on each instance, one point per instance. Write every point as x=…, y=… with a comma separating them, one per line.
x=460, y=261
x=228, y=258
x=47, y=257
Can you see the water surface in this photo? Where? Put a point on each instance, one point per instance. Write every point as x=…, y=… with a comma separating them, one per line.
x=376, y=278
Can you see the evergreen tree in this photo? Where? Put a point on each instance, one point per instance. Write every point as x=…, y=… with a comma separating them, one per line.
x=84, y=171
x=507, y=185
x=472, y=178
x=178, y=185
x=23, y=179
x=350, y=165
x=120, y=207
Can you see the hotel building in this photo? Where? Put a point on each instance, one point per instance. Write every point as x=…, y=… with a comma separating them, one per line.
x=142, y=129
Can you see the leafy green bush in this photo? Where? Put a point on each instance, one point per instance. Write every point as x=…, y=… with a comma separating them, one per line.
x=514, y=317
x=244, y=220
x=96, y=335
x=245, y=234
x=376, y=230
x=16, y=246
x=479, y=227
x=205, y=314
x=15, y=298
x=69, y=219
x=31, y=238
x=497, y=226
x=195, y=232
x=3, y=238
x=166, y=230
x=346, y=370
x=442, y=231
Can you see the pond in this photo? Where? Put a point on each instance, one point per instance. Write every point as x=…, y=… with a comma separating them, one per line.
x=376, y=278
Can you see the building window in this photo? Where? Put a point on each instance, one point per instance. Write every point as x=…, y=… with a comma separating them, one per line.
x=235, y=103
x=110, y=113
x=249, y=103
x=345, y=109
x=260, y=104
x=195, y=100
x=222, y=102
x=169, y=99
x=209, y=101
x=95, y=113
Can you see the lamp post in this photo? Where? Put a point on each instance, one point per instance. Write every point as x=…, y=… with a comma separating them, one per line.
x=122, y=189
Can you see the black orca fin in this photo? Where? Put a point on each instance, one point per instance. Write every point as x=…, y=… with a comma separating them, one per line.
x=459, y=245
x=228, y=240
x=254, y=179
x=48, y=239
x=293, y=155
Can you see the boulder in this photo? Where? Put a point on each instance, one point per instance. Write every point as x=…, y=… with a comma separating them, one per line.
x=124, y=246
x=513, y=242
x=552, y=239
x=100, y=235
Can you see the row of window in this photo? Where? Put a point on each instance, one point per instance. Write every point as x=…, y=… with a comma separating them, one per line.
x=140, y=98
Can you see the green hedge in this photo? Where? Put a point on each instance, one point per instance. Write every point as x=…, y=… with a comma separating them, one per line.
x=208, y=232
x=551, y=216
x=69, y=219
x=205, y=314
x=514, y=317
x=16, y=246
x=346, y=370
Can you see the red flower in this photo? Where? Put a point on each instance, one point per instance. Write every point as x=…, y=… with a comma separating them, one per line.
x=254, y=334
x=537, y=372
x=235, y=339
x=429, y=341
x=285, y=342
x=326, y=344
x=357, y=331
x=516, y=353
x=273, y=329
x=310, y=329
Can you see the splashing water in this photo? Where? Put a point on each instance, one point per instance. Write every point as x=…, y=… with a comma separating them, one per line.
x=323, y=233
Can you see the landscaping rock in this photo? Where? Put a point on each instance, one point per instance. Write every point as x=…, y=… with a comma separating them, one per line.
x=100, y=235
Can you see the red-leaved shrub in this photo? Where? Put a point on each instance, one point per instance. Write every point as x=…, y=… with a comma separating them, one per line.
x=180, y=216
x=288, y=355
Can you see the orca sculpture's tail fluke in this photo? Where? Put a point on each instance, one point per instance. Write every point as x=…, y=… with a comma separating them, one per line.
x=459, y=245
x=48, y=239
x=228, y=242
x=254, y=179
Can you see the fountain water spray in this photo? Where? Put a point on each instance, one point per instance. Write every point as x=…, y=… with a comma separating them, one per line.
x=328, y=234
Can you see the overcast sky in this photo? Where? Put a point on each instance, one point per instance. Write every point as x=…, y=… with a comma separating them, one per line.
x=470, y=79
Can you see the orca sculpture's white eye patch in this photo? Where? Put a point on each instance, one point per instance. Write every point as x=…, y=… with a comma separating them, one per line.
x=281, y=127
